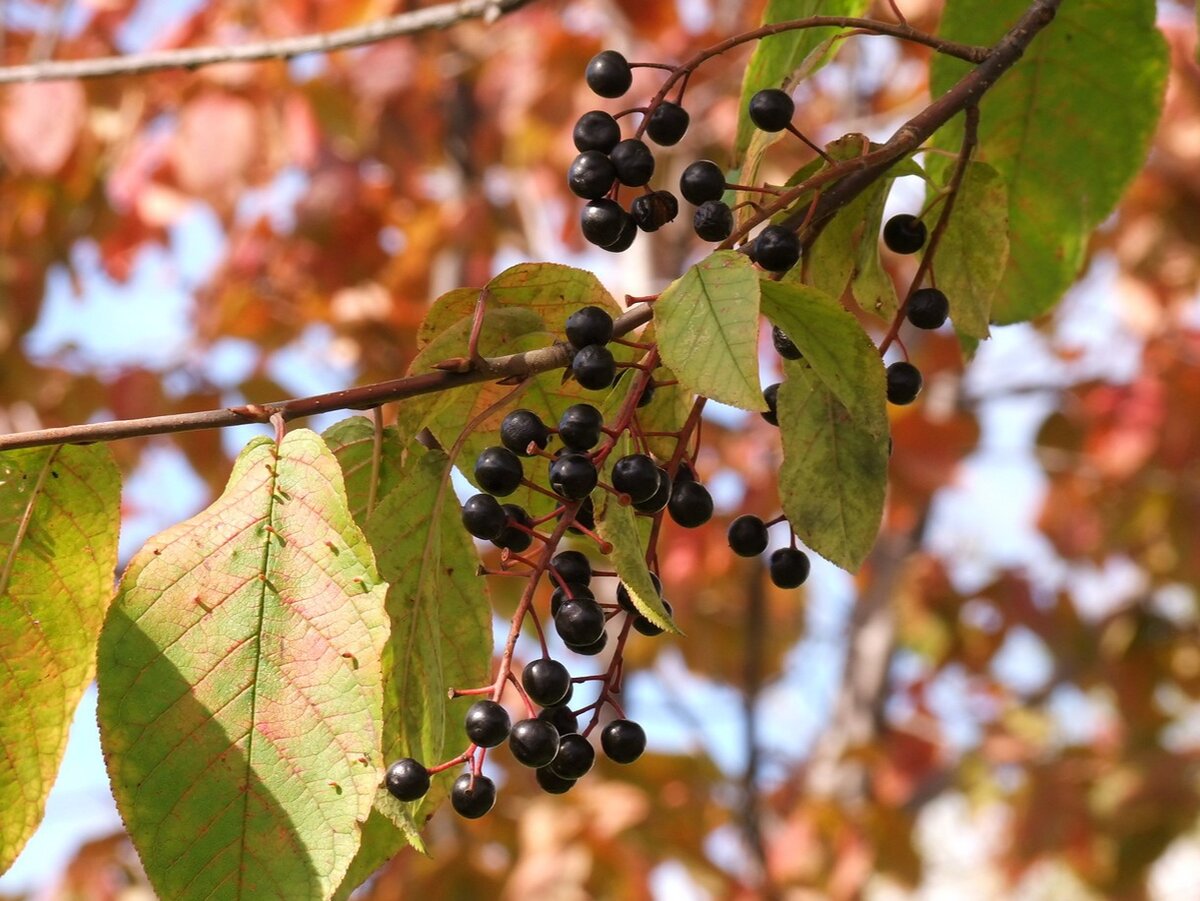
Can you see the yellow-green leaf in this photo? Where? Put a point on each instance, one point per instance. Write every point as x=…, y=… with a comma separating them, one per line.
x=618, y=526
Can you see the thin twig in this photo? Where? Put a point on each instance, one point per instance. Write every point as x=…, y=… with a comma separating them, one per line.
x=417, y=20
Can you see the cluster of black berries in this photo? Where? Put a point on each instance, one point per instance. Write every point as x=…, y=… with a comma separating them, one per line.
x=606, y=161
x=788, y=566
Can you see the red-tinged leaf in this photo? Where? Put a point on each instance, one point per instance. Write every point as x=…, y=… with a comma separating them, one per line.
x=241, y=688
x=217, y=141
x=40, y=123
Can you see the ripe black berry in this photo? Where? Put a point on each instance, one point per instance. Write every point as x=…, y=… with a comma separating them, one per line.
x=659, y=499
x=594, y=367
x=472, y=799
x=904, y=233
x=498, y=471
x=521, y=428
x=407, y=780
x=579, y=427
x=771, y=109
x=579, y=621
x=623, y=741
x=574, y=758
x=776, y=249
x=596, y=130
x=903, y=383
x=483, y=517
x=928, y=308
x=702, y=181
x=608, y=74
x=637, y=476
x=690, y=505
x=645, y=627
x=573, y=566
x=591, y=175
x=561, y=718
x=771, y=396
x=784, y=346
x=647, y=394
x=748, y=536
x=602, y=221
x=546, y=681
x=633, y=161
x=573, y=590
x=533, y=742
x=589, y=650
x=668, y=123
x=589, y=325
x=713, y=220
x=513, y=538
x=789, y=567
x=684, y=472
x=573, y=476
x=626, y=601
x=487, y=723
x=629, y=231
x=551, y=783
x=654, y=210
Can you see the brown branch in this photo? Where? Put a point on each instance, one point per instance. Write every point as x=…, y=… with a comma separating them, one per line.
x=441, y=16
x=489, y=369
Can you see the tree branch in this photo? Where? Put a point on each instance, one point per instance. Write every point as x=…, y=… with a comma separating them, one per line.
x=486, y=369
x=432, y=17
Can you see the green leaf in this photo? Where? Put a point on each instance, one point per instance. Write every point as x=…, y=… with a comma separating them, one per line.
x=707, y=323
x=778, y=56
x=870, y=283
x=618, y=525
x=841, y=354
x=381, y=840
x=353, y=443
x=551, y=291
x=59, y=515
x=440, y=616
x=834, y=473
x=1066, y=128
x=972, y=253
x=240, y=685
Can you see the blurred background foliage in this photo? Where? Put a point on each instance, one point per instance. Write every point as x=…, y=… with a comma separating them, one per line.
x=1002, y=703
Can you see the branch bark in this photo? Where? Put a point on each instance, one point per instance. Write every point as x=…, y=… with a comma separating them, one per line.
x=429, y=18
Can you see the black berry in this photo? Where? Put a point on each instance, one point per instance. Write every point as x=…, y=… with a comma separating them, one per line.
x=407, y=780
x=784, y=346
x=702, y=181
x=521, y=428
x=572, y=590
x=646, y=627
x=561, y=718
x=789, y=567
x=904, y=233
x=472, y=798
x=748, y=536
x=589, y=325
x=690, y=505
x=579, y=621
x=574, y=758
x=771, y=109
x=487, y=723
x=498, y=471
x=594, y=367
x=573, y=476
x=514, y=538
x=573, y=566
x=928, y=308
x=483, y=517
x=776, y=249
x=623, y=741
x=659, y=499
x=591, y=175
x=771, y=397
x=903, y=383
x=589, y=650
x=552, y=783
x=608, y=74
x=579, y=427
x=668, y=123
x=633, y=161
x=626, y=601
x=602, y=221
x=637, y=476
x=713, y=220
x=647, y=394
x=546, y=681
x=654, y=210
x=629, y=231
x=596, y=130
x=533, y=742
